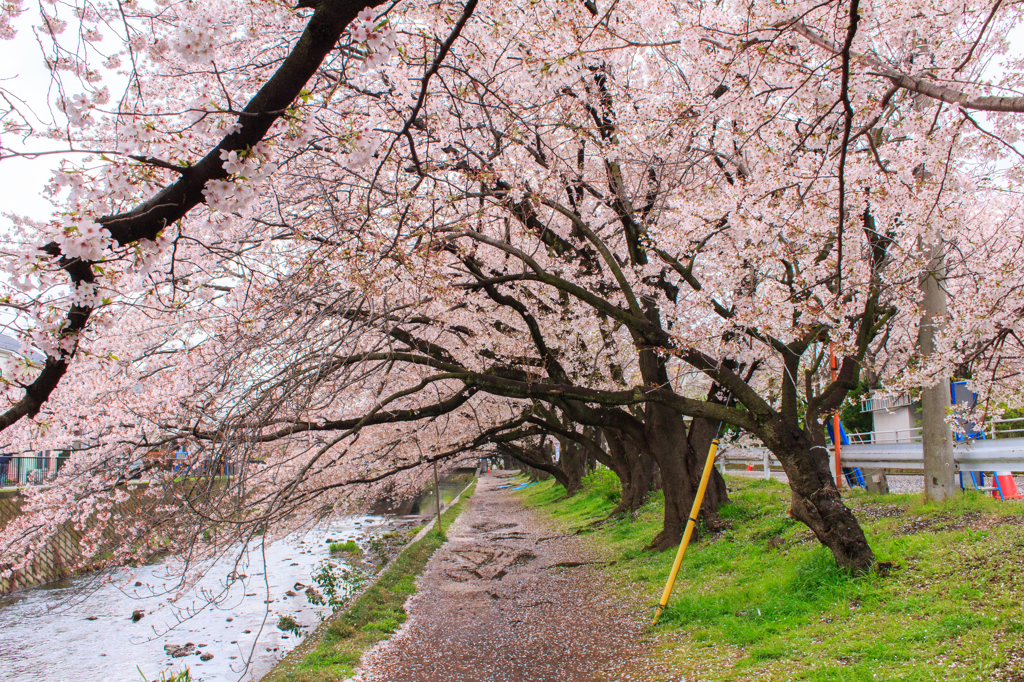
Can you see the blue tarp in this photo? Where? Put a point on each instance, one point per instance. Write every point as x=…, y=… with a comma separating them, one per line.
x=519, y=487
x=842, y=433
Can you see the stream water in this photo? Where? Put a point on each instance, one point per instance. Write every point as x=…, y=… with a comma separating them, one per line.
x=82, y=629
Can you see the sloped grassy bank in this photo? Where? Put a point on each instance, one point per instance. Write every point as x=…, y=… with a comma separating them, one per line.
x=332, y=652
x=764, y=601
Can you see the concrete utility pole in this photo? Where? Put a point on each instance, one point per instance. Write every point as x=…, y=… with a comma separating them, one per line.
x=937, y=437
x=437, y=501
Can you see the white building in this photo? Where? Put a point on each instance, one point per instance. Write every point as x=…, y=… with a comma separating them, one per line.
x=894, y=419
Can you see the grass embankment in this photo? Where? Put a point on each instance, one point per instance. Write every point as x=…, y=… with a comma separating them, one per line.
x=333, y=651
x=764, y=600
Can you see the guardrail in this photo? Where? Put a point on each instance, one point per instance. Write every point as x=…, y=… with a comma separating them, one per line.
x=1001, y=454
x=993, y=429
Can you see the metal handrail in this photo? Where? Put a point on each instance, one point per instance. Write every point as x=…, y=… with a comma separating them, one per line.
x=913, y=434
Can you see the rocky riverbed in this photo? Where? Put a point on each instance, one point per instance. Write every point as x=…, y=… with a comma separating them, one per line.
x=114, y=626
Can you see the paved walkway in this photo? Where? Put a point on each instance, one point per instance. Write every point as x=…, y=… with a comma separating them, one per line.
x=508, y=600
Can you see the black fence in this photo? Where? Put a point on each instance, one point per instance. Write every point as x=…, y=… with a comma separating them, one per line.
x=35, y=469
x=41, y=468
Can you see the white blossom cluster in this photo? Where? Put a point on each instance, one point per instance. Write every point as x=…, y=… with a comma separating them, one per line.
x=197, y=44
x=83, y=238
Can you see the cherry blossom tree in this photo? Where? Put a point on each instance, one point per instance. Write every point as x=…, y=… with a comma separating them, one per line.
x=725, y=205
x=483, y=226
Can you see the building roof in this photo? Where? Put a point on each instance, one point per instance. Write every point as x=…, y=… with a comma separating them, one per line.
x=12, y=345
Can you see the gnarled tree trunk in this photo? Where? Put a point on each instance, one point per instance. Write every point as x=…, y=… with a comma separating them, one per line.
x=816, y=502
x=680, y=457
x=665, y=442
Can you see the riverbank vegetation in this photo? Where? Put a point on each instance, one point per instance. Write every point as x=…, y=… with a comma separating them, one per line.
x=763, y=600
x=348, y=547
x=332, y=652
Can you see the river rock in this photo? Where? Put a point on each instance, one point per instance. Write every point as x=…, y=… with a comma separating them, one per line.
x=205, y=657
x=180, y=651
x=313, y=594
x=137, y=615
x=230, y=619
x=298, y=587
x=290, y=593
x=93, y=618
x=138, y=583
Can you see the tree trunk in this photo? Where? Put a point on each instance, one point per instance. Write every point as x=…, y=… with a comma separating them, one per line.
x=635, y=469
x=665, y=435
x=670, y=445
x=702, y=432
x=816, y=501
x=540, y=463
x=573, y=463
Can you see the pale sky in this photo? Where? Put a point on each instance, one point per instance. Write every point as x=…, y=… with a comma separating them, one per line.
x=23, y=72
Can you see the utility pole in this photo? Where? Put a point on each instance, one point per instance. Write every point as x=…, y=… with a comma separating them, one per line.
x=936, y=435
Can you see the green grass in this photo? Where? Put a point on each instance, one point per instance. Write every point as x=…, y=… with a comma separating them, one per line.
x=742, y=610
x=332, y=653
x=349, y=547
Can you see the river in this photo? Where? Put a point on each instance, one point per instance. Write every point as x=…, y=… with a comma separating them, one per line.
x=81, y=629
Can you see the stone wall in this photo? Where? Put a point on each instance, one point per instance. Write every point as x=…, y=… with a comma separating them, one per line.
x=56, y=559
x=52, y=562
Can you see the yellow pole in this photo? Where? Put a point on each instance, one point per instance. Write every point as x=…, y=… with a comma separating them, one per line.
x=709, y=464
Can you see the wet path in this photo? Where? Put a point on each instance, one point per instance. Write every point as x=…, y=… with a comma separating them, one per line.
x=508, y=600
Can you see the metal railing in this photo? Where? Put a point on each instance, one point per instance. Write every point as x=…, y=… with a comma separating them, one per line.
x=36, y=469
x=993, y=428
x=18, y=470
x=1000, y=454
x=909, y=435
x=1014, y=428
x=884, y=403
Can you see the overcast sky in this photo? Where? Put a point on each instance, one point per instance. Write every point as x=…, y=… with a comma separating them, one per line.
x=23, y=72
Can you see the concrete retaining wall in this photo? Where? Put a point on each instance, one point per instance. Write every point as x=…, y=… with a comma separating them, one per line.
x=52, y=562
